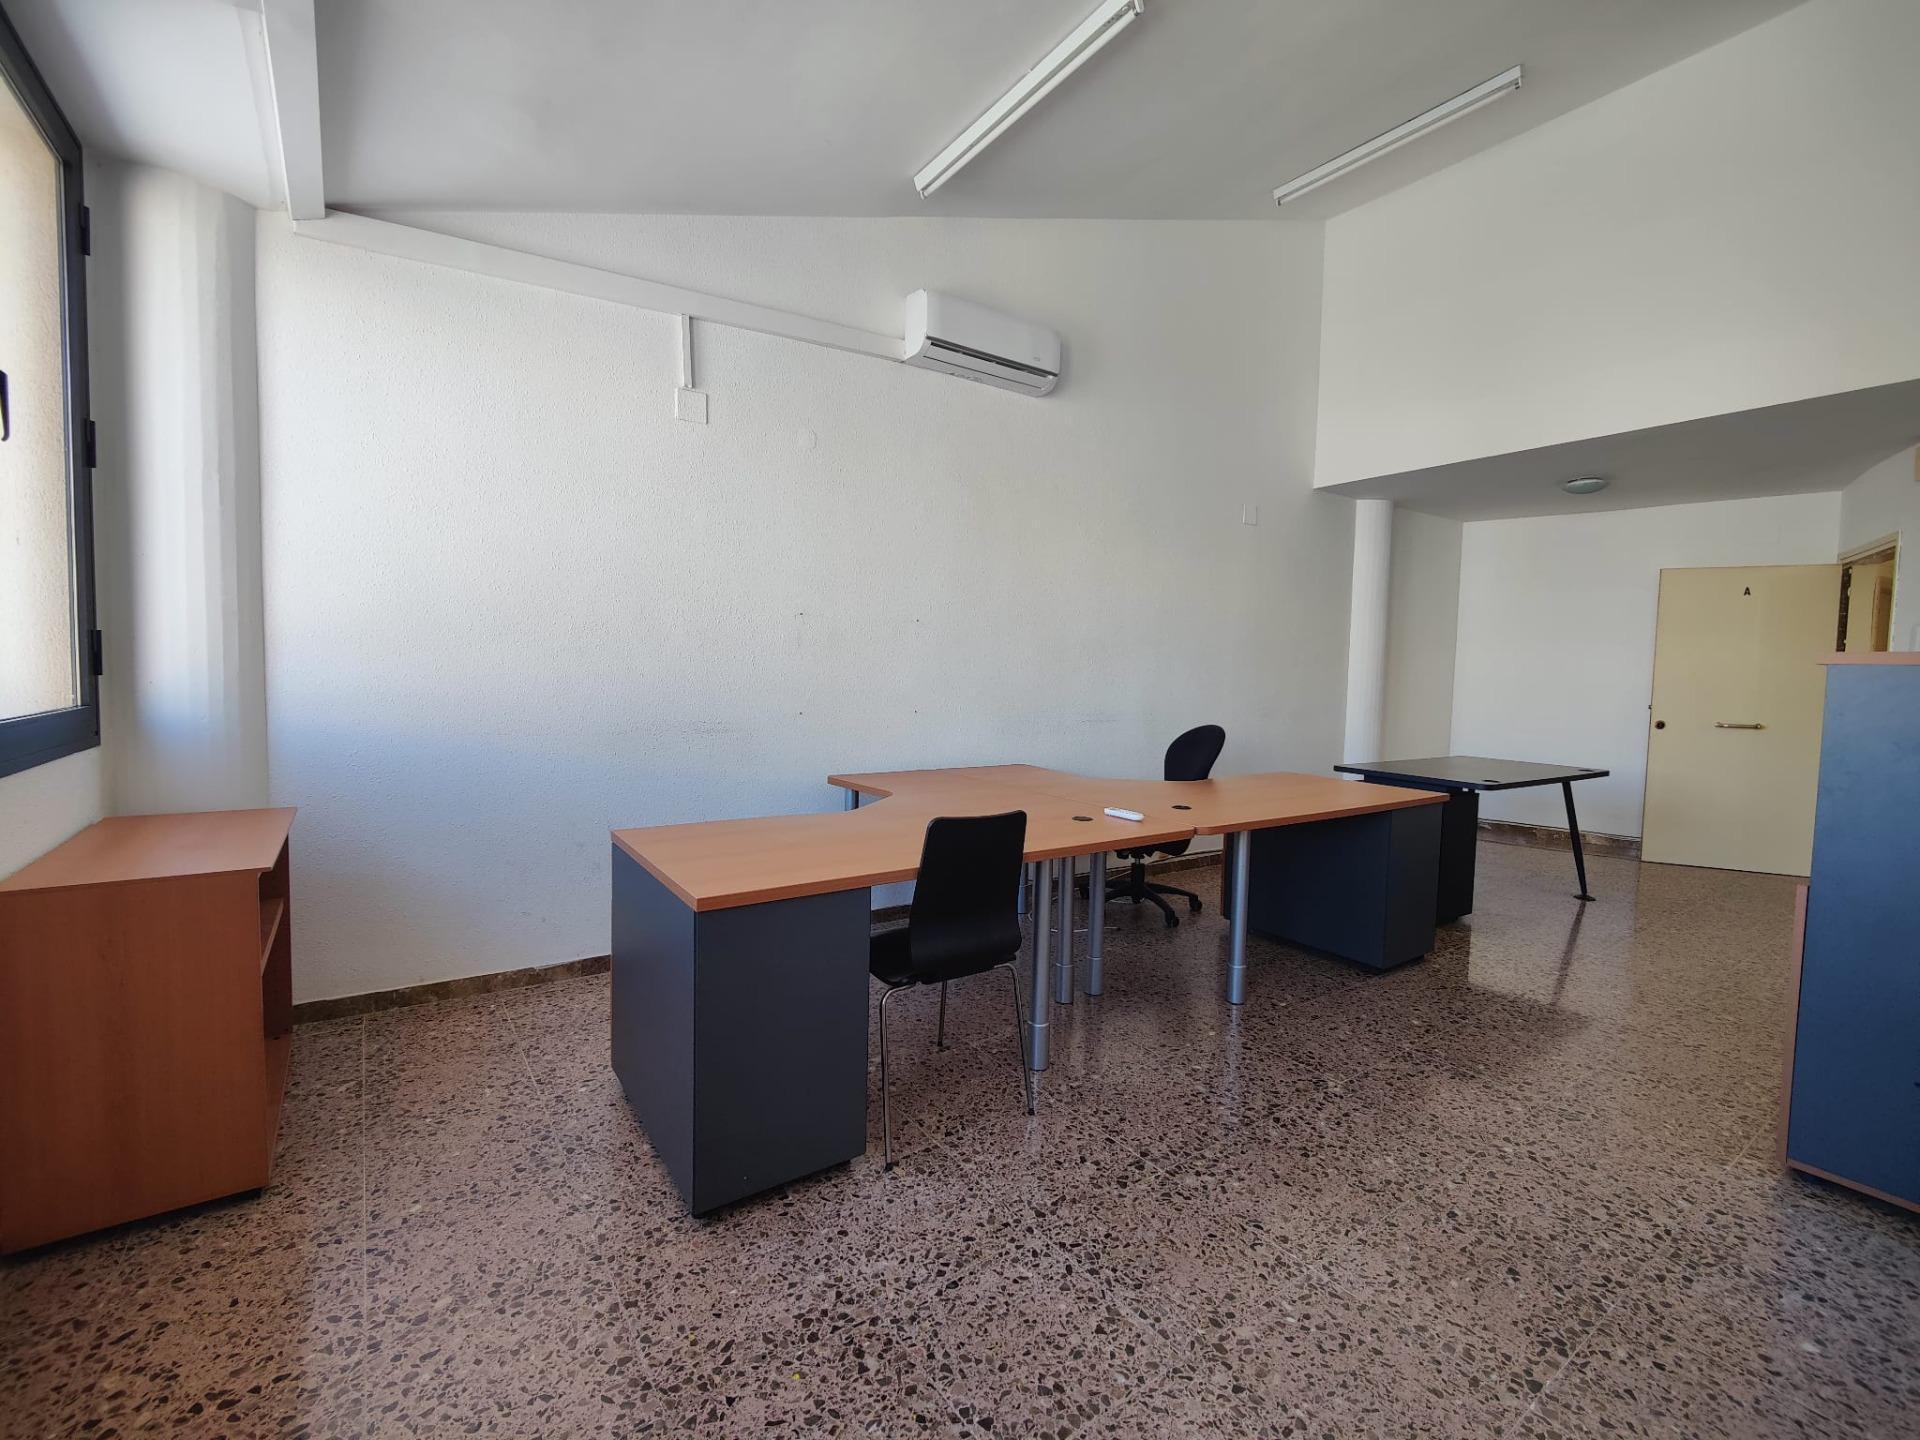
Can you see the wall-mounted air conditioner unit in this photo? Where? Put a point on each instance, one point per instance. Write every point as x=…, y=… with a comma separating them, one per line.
x=976, y=343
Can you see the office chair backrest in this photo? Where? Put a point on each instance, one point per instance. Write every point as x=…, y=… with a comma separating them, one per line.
x=1191, y=756
x=963, y=919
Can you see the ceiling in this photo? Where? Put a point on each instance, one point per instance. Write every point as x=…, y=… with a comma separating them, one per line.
x=1806, y=446
x=176, y=83
x=827, y=107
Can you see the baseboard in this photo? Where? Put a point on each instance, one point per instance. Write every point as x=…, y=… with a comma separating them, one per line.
x=345, y=1006
x=309, y=1011
x=1550, y=837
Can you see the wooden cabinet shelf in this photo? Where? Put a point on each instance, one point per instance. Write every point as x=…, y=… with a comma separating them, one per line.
x=146, y=1020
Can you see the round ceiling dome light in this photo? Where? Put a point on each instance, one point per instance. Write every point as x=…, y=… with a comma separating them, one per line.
x=1584, y=485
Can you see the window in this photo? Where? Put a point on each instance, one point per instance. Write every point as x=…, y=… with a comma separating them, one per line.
x=49, y=695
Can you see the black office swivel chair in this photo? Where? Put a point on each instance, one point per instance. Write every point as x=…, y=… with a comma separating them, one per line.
x=1190, y=757
x=962, y=922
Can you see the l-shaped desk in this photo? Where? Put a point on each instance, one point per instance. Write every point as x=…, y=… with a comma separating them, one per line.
x=740, y=946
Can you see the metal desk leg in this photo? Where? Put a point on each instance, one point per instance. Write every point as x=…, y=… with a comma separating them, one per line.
x=852, y=800
x=1023, y=898
x=1573, y=830
x=1239, y=853
x=1037, y=1006
x=1096, y=922
x=1063, y=954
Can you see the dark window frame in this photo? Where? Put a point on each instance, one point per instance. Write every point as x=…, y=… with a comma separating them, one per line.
x=30, y=740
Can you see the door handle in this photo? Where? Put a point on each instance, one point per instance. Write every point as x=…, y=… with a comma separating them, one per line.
x=1738, y=725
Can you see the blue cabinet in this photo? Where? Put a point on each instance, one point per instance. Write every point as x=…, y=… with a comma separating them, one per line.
x=1854, y=1111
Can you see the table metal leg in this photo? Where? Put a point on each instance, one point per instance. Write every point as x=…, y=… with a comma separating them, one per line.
x=1063, y=952
x=1573, y=831
x=1023, y=897
x=1239, y=853
x=852, y=800
x=1096, y=922
x=1037, y=1006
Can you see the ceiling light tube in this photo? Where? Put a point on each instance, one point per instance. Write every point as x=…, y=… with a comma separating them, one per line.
x=1069, y=55
x=1504, y=83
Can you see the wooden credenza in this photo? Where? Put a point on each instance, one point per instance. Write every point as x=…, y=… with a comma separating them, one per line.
x=146, y=997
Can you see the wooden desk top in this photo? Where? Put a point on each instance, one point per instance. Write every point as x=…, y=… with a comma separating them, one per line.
x=159, y=847
x=715, y=865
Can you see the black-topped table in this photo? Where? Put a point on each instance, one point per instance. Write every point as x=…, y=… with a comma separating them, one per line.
x=1463, y=777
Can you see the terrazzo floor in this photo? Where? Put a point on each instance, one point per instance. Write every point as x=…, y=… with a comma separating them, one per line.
x=1524, y=1188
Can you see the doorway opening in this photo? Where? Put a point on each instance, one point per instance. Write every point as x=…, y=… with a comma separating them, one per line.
x=1866, y=597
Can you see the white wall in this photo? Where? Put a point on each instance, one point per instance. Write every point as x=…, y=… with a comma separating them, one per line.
x=1886, y=501
x=1737, y=230
x=1423, y=614
x=177, y=492
x=511, y=603
x=45, y=805
x=1556, y=635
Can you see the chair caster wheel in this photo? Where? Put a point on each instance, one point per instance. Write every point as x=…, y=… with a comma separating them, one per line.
x=1194, y=906
x=1172, y=920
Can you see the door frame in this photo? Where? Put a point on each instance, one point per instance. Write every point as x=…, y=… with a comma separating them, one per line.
x=1887, y=547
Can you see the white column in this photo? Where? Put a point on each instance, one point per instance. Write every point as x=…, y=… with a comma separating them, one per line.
x=1367, y=630
x=177, y=493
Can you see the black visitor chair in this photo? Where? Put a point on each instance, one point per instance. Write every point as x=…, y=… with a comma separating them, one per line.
x=962, y=922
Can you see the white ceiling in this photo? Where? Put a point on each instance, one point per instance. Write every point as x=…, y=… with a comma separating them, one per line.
x=1806, y=446
x=176, y=83
x=826, y=107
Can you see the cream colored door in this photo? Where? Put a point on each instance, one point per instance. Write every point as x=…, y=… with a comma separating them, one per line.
x=1733, y=744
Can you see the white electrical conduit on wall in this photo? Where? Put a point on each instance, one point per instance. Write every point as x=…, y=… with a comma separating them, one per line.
x=432, y=248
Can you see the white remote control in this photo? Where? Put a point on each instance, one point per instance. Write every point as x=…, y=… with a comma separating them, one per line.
x=1117, y=813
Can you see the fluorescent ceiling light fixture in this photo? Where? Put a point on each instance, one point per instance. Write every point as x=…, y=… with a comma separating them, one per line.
x=1584, y=485
x=1069, y=55
x=1505, y=83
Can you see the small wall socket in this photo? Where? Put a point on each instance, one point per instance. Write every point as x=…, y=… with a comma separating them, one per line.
x=690, y=405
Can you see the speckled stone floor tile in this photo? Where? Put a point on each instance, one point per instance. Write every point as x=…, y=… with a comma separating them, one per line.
x=1522, y=1188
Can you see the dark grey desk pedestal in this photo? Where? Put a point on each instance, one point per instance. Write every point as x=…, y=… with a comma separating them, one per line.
x=740, y=1035
x=1362, y=888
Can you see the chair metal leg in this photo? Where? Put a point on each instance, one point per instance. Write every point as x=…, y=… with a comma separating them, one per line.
x=886, y=1093
x=940, y=1041
x=1019, y=1035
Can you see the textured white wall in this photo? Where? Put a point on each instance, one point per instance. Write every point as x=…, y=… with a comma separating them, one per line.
x=177, y=492
x=1556, y=635
x=1423, y=614
x=511, y=603
x=1734, y=231
x=1886, y=501
x=45, y=805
